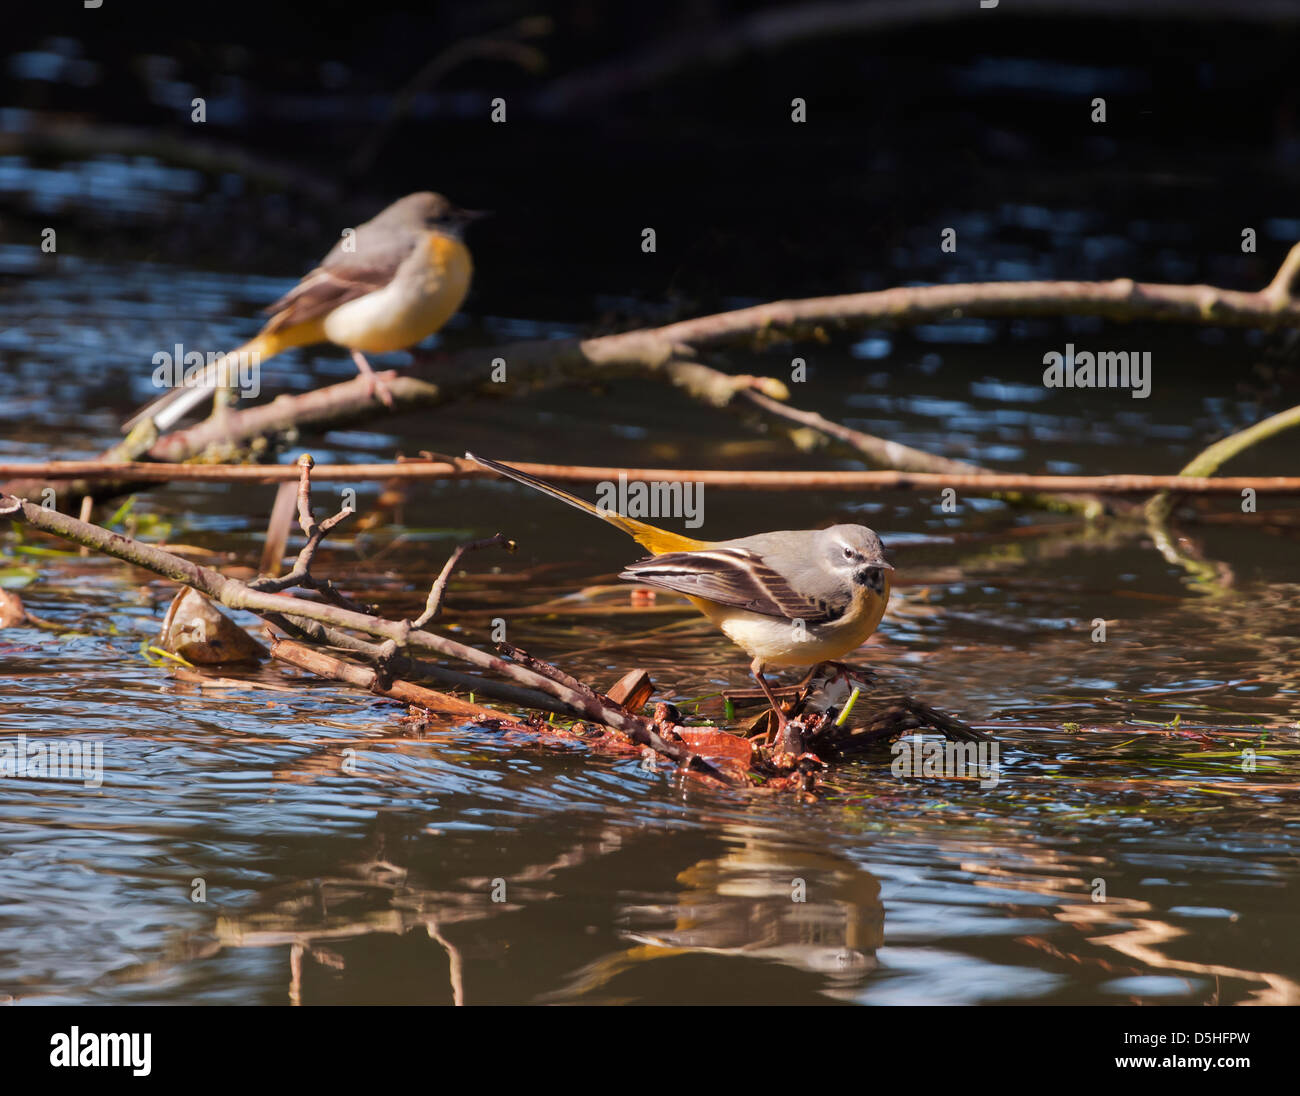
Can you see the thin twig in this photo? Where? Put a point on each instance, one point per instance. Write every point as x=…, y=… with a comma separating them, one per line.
x=518, y=654
x=315, y=532
x=983, y=483
x=433, y=605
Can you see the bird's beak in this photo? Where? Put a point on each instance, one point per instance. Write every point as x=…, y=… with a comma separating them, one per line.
x=883, y=565
x=469, y=216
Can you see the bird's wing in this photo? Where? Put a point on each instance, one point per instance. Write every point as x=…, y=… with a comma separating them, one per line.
x=733, y=576
x=354, y=267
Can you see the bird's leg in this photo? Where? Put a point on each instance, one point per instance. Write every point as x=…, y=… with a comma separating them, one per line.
x=225, y=393
x=756, y=668
x=374, y=386
x=223, y=398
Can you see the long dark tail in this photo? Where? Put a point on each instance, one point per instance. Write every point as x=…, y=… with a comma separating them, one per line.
x=656, y=540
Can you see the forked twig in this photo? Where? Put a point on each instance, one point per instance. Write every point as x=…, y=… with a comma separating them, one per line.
x=315, y=533
x=433, y=605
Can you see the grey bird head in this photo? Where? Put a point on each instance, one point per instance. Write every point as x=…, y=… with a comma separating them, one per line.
x=855, y=553
x=426, y=209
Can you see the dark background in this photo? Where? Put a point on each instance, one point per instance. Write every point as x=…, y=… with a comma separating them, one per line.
x=675, y=116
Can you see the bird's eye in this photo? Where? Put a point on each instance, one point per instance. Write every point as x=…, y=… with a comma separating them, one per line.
x=849, y=553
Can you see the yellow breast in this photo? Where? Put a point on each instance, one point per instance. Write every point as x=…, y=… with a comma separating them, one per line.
x=781, y=642
x=424, y=294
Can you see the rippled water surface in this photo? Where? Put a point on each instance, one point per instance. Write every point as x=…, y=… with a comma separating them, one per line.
x=1140, y=844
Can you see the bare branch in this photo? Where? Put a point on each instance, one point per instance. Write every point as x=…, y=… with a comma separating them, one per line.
x=326, y=665
x=980, y=483
x=235, y=594
x=433, y=605
x=301, y=574
x=518, y=654
x=666, y=352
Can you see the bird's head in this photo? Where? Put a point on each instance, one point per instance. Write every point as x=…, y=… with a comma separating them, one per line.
x=857, y=554
x=431, y=211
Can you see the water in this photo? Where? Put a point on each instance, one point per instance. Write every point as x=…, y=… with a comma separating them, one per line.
x=230, y=856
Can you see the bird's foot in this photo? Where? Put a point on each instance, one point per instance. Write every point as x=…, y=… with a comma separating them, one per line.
x=777, y=732
x=376, y=387
x=794, y=761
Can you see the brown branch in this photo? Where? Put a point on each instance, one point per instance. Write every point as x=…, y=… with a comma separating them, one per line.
x=315, y=532
x=731, y=479
x=325, y=665
x=903, y=458
x=374, y=654
x=665, y=352
x=518, y=654
x=1121, y=299
x=879, y=451
x=237, y=595
x=433, y=604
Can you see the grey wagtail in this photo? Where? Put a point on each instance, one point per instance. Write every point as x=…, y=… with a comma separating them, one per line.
x=386, y=286
x=792, y=598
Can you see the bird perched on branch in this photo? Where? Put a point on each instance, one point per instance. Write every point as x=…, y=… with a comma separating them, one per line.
x=386, y=285
x=791, y=598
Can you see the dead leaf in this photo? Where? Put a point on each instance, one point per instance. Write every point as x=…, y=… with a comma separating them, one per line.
x=199, y=632
x=12, y=612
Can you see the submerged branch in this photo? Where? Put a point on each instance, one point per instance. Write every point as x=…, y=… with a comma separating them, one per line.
x=238, y=595
x=362, y=677
x=1209, y=461
x=1205, y=574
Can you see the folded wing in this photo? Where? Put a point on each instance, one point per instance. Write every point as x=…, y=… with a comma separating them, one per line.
x=732, y=576
x=325, y=288
x=360, y=263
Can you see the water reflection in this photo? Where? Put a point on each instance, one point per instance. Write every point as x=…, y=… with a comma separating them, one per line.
x=813, y=912
x=456, y=867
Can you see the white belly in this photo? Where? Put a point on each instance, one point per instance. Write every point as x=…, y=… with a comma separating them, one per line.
x=780, y=642
x=417, y=302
